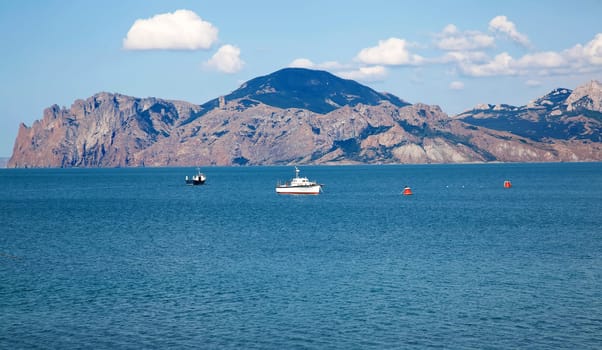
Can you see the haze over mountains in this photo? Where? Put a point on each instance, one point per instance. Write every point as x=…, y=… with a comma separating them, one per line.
x=301, y=116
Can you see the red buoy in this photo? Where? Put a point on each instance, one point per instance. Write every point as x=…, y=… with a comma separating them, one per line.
x=407, y=191
x=507, y=184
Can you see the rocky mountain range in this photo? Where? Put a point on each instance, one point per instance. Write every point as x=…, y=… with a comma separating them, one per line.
x=301, y=116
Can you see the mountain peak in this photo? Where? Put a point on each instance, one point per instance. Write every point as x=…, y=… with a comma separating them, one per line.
x=587, y=96
x=551, y=100
x=315, y=90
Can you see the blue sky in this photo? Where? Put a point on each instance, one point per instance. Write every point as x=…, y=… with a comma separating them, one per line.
x=455, y=54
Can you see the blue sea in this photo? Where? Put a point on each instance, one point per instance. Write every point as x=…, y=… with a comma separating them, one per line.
x=135, y=259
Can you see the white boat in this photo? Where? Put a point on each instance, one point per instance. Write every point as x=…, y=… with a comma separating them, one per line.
x=197, y=179
x=299, y=185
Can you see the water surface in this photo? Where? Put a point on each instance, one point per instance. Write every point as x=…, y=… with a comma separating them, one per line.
x=133, y=258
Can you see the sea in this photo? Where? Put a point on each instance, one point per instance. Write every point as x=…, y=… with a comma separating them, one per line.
x=133, y=258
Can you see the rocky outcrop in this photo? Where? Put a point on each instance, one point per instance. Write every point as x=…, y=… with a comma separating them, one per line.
x=586, y=97
x=298, y=116
x=560, y=117
x=105, y=130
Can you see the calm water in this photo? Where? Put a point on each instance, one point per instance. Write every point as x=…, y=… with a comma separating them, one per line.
x=133, y=258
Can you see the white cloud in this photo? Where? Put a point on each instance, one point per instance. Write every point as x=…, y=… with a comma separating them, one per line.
x=502, y=25
x=392, y=51
x=307, y=63
x=547, y=59
x=372, y=73
x=302, y=63
x=226, y=59
x=365, y=74
x=452, y=39
x=456, y=85
x=466, y=56
x=501, y=64
x=590, y=53
x=532, y=83
x=464, y=52
x=593, y=50
x=578, y=59
x=179, y=30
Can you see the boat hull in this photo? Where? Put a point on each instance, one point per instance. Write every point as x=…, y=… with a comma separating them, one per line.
x=316, y=189
x=195, y=182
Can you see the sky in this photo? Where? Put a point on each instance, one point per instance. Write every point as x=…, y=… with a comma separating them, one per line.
x=454, y=54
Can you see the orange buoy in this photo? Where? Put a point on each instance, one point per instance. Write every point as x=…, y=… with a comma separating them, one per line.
x=407, y=191
x=507, y=184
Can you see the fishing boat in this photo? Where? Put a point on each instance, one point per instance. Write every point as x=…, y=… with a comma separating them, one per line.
x=197, y=179
x=299, y=185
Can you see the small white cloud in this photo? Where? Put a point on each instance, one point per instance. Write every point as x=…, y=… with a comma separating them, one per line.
x=456, y=85
x=331, y=65
x=226, y=59
x=302, y=63
x=532, y=83
x=392, y=51
x=179, y=30
x=369, y=74
x=466, y=56
x=452, y=39
x=307, y=63
x=501, y=64
x=501, y=24
x=450, y=29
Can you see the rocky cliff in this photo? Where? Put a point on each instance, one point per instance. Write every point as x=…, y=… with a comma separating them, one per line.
x=560, y=115
x=300, y=116
x=105, y=130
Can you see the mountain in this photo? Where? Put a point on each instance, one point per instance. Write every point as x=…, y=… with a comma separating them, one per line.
x=316, y=91
x=587, y=97
x=105, y=130
x=560, y=115
x=301, y=116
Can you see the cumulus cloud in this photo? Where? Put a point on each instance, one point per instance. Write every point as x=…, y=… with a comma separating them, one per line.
x=590, y=53
x=179, y=30
x=371, y=73
x=532, y=83
x=593, y=50
x=452, y=39
x=466, y=56
x=226, y=59
x=469, y=53
x=456, y=85
x=501, y=24
x=501, y=64
x=307, y=63
x=392, y=52
x=578, y=59
x=302, y=63
x=547, y=59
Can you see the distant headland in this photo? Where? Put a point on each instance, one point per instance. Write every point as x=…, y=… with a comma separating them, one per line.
x=303, y=116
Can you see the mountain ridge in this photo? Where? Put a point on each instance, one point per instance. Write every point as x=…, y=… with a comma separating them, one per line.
x=301, y=116
x=561, y=114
